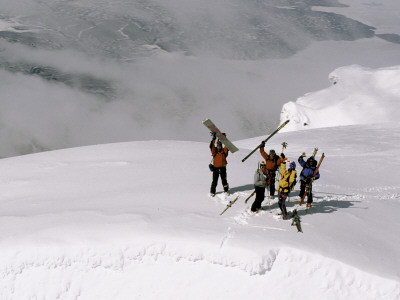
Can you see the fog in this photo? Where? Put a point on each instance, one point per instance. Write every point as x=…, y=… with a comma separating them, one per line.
x=77, y=73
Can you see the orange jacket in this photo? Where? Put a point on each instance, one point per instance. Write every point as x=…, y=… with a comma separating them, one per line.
x=219, y=157
x=271, y=164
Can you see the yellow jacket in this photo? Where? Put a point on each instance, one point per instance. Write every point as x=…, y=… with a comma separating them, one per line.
x=287, y=179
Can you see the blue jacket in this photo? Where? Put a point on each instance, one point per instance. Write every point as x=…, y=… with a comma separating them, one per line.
x=307, y=171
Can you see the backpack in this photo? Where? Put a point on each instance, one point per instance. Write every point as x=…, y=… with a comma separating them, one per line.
x=274, y=159
x=211, y=166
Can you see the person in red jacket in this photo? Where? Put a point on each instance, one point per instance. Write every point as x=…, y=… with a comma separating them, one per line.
x=272, y=162
x=219, y=154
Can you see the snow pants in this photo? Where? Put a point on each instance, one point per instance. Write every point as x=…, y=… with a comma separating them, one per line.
x=216, y=173
x=271, y=186
x=282, y=203
x=260, y=195
x=303, y=186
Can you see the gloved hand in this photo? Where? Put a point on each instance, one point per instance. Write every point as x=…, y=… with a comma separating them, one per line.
x=283, y=156
x=310, y=179
x=262, y=145
x=214, y=135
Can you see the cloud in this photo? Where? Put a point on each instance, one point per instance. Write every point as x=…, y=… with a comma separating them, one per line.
x=139, y=70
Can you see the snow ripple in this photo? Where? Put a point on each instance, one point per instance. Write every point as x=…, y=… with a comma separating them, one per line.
x=64, y=269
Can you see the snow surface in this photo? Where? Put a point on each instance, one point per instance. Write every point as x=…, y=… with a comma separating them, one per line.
x=134, y=221
x=356, y=92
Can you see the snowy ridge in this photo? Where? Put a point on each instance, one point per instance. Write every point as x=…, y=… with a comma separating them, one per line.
x=356, y=92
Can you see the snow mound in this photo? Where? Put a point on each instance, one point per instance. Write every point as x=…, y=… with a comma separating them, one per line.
x=358, y=95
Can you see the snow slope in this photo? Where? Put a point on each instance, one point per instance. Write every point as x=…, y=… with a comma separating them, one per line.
x=358, y=95
x=134, y=221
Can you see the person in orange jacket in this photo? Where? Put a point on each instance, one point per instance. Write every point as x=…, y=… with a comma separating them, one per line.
x=272, y=162
x=219, y=154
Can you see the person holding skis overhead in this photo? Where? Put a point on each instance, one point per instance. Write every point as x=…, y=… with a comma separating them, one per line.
x=286, y=185
x=272, y=162
x=260, y=183
x=307, y=176
x=219, y=154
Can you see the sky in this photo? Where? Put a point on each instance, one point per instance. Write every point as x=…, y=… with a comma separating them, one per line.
x=134, y=220
x=79, y=73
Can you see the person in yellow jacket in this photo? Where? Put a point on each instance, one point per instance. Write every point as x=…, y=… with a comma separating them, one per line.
x=286, y=185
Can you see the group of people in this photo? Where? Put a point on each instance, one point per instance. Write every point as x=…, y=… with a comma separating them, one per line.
x=265, y=175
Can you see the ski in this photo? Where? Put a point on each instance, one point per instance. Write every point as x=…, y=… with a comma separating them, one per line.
x=296, y=221
x=315, y=152
x=211, y=126
x=271, y=135
x=245, y=201
x=308, y=185
x=229, y=205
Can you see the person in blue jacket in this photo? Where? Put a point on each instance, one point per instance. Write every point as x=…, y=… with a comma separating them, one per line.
x=307, y=176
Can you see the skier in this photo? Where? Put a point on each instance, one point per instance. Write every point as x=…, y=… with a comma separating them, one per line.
x=306, y=176
x=219, y=154
x=260, y=183
x=286, y=185
x=272, y=162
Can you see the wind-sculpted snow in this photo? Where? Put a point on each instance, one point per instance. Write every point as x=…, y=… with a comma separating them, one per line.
x=70, y=273
x=358, y=95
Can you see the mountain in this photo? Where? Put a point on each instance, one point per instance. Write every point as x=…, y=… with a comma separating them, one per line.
x=133, y=220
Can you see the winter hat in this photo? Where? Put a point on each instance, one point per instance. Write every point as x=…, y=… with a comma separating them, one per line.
x=292, y=166
x=311, y=161
x=261, y=164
